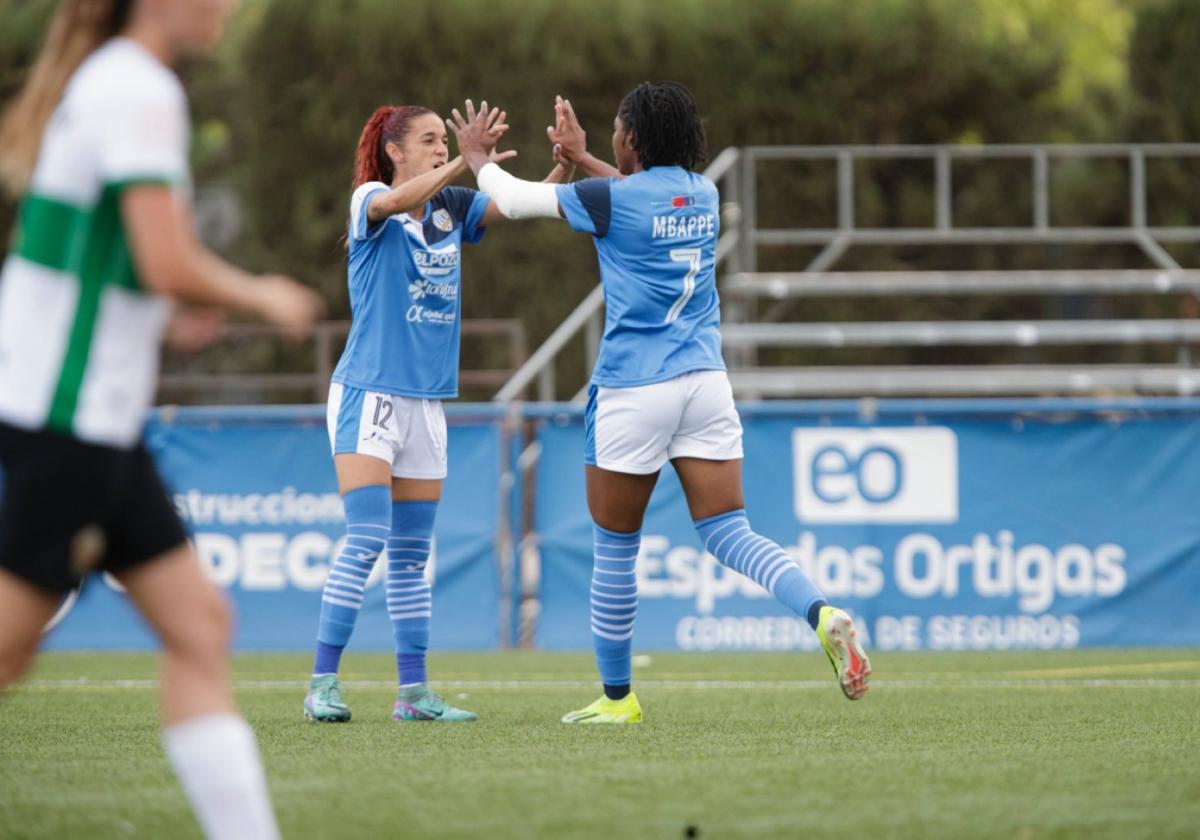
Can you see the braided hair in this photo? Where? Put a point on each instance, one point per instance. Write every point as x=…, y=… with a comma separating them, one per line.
x=664, y=125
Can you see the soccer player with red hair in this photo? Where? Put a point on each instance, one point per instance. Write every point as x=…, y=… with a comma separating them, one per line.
x=386, y=424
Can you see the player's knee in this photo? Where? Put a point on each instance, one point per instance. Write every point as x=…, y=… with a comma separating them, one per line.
x=217, y=620
x=621, y=524
x=208, y=630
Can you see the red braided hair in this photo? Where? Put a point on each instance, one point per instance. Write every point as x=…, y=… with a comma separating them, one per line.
x=389, y=124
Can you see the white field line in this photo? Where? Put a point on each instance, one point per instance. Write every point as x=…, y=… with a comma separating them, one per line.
x=86, y=683
x=1097, y=670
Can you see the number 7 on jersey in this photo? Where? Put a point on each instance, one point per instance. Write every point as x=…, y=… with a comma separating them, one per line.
x=690, y=257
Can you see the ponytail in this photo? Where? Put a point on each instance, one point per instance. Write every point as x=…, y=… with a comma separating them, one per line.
x=77, y=29
x=370, y=161
x=389, y=124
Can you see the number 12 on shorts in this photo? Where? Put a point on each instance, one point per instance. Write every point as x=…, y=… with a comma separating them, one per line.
x=383, y=412
x=691, y=258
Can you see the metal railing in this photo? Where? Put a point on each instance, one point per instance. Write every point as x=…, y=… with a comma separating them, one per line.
x=966, y=380
x=942, y=230
x=742, y=285
x=962, y=333
x=783, y=285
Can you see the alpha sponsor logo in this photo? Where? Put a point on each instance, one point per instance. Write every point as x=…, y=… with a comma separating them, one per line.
x=684, y=227
x=421, y=288
x=875, y=475
x=418, y=314
x=442, y=220
x=436, y=263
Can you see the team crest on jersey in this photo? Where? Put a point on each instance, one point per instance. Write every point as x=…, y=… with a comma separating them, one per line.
x=442, y=220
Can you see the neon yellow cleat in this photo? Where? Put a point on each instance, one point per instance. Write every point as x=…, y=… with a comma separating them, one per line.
x=625, y=710
x=836, y=631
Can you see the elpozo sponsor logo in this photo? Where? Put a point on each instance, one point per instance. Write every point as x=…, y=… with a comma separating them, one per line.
x=436, y=263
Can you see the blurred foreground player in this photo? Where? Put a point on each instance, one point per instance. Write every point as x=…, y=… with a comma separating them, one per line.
x=659, y=390
x=95, y=145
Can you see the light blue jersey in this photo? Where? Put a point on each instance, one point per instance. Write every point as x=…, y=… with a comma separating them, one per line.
x=656, y=237
x=404, y=276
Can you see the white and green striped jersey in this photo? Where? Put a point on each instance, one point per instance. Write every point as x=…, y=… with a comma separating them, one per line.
x=79, y=337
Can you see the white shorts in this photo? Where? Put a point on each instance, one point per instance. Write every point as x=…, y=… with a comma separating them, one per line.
x=407, y=432
x=637, y=430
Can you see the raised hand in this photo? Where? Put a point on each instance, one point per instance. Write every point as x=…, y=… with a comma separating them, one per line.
x=567, y=136
x=478, y=133
x=498, y=156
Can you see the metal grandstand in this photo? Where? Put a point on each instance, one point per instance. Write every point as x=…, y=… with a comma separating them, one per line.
x=754, y=300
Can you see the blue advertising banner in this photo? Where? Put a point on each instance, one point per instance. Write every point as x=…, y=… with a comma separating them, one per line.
x=941, y=526
x=256, y=490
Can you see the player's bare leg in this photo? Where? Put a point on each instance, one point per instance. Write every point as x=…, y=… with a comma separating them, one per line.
x=617, y=501
x=212, y=749
x=191, y=619
x=24, y=611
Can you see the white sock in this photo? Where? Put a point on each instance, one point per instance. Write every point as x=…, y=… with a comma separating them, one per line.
x=216, y=760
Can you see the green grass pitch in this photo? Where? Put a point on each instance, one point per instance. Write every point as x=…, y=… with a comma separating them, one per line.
x=1013, y=745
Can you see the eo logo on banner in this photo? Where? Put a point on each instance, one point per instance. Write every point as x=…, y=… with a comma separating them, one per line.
x=876, y=475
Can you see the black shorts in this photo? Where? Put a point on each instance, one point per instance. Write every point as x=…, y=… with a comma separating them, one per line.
x=68, y=508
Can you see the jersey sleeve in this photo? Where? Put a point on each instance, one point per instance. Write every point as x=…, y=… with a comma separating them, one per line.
x=360, y=222
x=587, y=205
x=143, y=135
x=467, y=207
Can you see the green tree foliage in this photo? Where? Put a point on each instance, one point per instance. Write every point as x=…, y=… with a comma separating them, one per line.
x=279, y=112
x=22, y=24
x=1166, y=107
x=767, y=72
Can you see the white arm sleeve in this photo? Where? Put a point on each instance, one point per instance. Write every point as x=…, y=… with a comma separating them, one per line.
x=518, y=199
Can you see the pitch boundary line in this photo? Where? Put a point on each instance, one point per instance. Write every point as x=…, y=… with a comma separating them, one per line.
x=86, y=683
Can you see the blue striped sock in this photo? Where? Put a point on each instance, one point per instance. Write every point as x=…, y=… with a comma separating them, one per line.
x=614, y=607
x=409, y=600
x=367, y=522
x=728, y=537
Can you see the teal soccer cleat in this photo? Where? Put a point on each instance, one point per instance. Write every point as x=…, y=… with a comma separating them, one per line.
x=419, y=702
x=324, y=701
